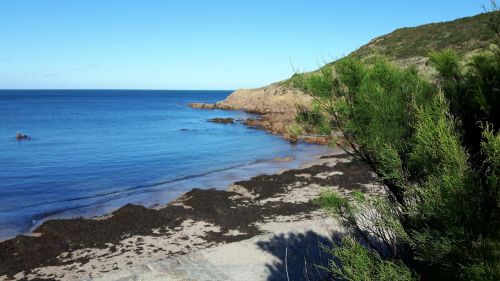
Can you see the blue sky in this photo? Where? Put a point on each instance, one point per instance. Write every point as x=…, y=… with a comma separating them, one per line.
x=188, y=44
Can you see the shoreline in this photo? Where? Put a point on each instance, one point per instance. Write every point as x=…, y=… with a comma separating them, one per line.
x=76, y=248
x=219, y=179
x=72, y=249
x=275, y=107
x=275, y=122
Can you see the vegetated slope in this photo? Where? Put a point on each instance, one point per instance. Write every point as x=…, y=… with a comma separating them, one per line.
x=412, y=45
x=465, y=35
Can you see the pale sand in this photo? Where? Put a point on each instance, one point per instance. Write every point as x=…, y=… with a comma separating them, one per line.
x=184, y=253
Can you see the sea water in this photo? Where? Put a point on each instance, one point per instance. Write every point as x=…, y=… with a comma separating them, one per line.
x=92, y=151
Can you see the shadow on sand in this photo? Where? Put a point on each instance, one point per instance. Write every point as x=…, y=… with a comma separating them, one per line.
x=299, y=256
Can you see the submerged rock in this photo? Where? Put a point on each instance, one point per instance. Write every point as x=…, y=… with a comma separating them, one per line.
x=283, y=159
x=222, y=120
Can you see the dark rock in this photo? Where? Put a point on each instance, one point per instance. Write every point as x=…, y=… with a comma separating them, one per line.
x=222, y=120
x=254, y=123
x=20, y=136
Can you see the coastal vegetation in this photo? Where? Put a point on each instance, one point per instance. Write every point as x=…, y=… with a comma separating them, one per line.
x=409, y=46
x=434, y=142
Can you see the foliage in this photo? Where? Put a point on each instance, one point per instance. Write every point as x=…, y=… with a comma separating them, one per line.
x=438, y=212
x=473, y=91
x=379, y=104
x=294, y=130
x=464, y=35
x=407, y=46
x=364, y=215
x=494, y=19
x=441, y=215
x=361, y=263
x=313, y=120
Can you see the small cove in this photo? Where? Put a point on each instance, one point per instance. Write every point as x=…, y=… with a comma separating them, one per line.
x=93, y=151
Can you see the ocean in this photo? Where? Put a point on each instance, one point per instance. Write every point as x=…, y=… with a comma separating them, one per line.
x=93, y=151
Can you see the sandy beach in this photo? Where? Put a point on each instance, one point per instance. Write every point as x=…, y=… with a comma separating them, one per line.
x=132, y=236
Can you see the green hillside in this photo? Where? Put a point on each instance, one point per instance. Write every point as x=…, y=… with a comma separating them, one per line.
x=465, y=35
x=412, y=45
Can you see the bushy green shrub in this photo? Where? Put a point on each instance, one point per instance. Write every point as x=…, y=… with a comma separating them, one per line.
x=313, y=119
x=436, y=147
x=360, y=263
x=473, y=91
x=441, y=214
x=380, y=100
x=372, y=218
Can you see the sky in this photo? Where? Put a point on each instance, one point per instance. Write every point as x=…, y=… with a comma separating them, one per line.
x=192, y=44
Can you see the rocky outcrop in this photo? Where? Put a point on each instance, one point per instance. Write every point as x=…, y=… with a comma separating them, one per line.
x=274, y=98
x=198, y=105
x=276, y=104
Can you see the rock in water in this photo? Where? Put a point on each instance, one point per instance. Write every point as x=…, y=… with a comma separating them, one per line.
x=202, y=105
x=20, y=136
x=222, y=120
x=283, y=159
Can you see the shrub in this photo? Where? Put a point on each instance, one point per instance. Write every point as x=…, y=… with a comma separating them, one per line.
x=360, y=263
x=437, y=150
x=441, y=215
x=472, y=90
x=294, y=130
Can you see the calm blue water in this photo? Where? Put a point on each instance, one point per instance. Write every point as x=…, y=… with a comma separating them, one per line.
x=94, y=151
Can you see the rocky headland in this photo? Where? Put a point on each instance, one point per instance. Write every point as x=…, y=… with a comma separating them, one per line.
x=276, y=106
